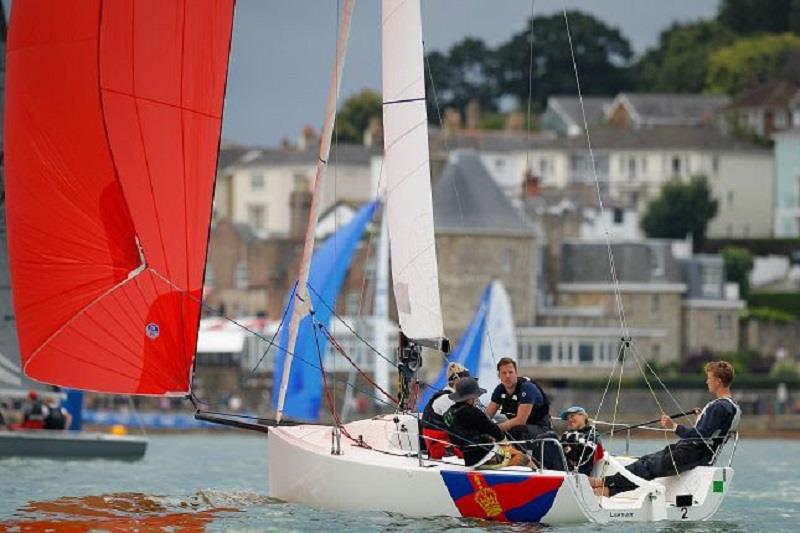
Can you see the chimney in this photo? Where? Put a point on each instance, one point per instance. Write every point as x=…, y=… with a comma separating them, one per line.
x=373, y=135
x=308, y=138
x=299, y=210
x=473, y=115
x=530, y=185
x=515, y=121
x=452, y=120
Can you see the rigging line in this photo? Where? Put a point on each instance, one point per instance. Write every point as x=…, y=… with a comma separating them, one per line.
x=443, y=133
x=530, y=93
x=338, y=347
x=277, y=346
x=612, y=266
x=619, y=357
x=137, y=416
x=277, y=331
x=356, y=334
x=330, y=401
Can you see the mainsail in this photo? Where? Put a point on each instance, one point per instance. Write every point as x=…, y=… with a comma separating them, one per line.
x=407, y=170
x=329, y=267
x=113, y=116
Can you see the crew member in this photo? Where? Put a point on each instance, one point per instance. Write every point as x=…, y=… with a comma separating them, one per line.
x=434, y=431
x=522, y=401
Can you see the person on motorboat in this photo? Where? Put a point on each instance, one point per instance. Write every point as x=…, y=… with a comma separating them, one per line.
x=34, y=412
x=434, y=431
x=522, y=401
x=698, y=444
x=582, y=447
x=478, y=437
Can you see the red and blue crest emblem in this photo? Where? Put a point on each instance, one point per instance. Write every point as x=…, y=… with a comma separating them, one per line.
x=502, y=497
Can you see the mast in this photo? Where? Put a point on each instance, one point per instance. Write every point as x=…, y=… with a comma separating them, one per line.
x=381, y=314
x=303, y=302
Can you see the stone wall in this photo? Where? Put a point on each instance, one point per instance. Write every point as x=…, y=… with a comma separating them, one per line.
x=468, y=262
x=714, y=329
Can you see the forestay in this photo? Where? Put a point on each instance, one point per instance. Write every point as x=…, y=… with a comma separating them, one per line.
x=113, y=121
x=407, y=171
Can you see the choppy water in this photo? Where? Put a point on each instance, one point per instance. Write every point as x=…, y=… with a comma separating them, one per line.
x=219, y=483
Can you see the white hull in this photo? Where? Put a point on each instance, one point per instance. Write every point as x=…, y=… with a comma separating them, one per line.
x=303, y=470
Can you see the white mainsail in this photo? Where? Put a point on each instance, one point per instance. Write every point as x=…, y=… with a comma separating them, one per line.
x=407, y=170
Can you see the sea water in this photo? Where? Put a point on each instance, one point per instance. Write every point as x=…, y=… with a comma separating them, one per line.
x=219, y=483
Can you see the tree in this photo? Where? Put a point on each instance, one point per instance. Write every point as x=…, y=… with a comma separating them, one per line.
x=602, y=54
x=748, y=17
x=750, y=61
x=738, y=264
x=680, y=62
x=681, y=209
x=466, y=73
x=353, y=118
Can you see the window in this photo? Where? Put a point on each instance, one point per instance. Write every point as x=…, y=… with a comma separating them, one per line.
x=209, y=282
x=544, y=352
x=632, y=168
x=724, y=323
x=585, y=353
x=676, y=166
x=352, y=303
x=619, y=215
x=657, y=261
x=255, y=215
x=257, y=182
x=655, y=305
x=508, y=259
x=241, y=276
x=715, y=164
x=712, y=280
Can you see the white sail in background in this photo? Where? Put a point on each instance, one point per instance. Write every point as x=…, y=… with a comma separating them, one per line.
x=499, y=339
x=407, y=171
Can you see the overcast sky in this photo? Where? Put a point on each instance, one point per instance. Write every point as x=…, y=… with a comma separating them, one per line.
x=283, y=50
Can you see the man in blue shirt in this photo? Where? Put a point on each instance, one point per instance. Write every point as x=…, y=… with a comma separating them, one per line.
x=697, y=445
x=522, y=401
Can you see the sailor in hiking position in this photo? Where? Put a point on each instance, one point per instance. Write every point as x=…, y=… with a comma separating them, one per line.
x=522, y=401
x=698, y=444
x=475, y=434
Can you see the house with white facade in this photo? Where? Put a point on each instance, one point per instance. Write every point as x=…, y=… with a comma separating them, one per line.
x=787, y=183
x=256, y=188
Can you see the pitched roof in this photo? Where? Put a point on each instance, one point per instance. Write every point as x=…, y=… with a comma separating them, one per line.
x=773, y=94
x=569, y=107
x=466, y=199
x=667, y=108
x=635, y=262
x=343, y=154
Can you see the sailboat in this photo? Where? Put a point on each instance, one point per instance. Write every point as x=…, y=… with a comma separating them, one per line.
x=112, y=129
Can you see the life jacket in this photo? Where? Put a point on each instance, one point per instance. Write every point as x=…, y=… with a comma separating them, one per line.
x=34, y=416
x=581, y=447
x=430, y=418
x=55, y=419
x=540, y=414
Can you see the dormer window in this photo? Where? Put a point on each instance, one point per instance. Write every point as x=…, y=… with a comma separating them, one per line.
x=711, y=281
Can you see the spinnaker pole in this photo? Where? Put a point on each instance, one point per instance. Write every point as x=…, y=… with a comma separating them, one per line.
x=302, y=304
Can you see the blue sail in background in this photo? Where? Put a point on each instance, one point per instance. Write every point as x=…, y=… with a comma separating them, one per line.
x=329, y=266
x=468, y=351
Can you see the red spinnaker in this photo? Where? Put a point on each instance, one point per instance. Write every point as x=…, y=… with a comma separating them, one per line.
x=113, y=116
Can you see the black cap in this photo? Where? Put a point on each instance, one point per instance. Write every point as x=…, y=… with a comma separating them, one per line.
x=466, y=389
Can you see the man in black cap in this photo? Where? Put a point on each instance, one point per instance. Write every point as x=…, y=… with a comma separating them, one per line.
x=475, y=434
